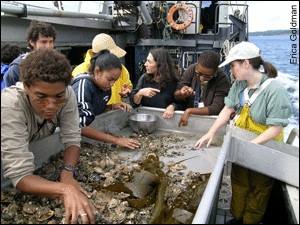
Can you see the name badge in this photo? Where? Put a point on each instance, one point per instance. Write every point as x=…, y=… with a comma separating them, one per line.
x=200, y=105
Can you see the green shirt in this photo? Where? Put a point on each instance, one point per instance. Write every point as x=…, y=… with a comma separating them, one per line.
x=272, y=107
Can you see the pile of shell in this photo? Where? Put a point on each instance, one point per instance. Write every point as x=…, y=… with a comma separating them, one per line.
x=159, y=144
x=98, y=164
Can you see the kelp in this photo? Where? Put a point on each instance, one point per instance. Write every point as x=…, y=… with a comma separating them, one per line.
x=186, y=204
x=148, y=186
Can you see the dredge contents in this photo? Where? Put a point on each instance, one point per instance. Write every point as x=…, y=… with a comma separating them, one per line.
x=141, y=191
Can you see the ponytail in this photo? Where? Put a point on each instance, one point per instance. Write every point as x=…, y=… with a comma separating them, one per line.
x=105, y=61
x=269, y=68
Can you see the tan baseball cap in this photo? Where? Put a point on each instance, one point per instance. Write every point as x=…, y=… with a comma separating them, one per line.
x=243, y=50
x=104, y=41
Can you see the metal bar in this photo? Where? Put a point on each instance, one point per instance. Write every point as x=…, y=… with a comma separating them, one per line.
x=79, y=6
x=205, y=208
x=145, y=14
x=37, y=11
x=196, y=32
x=218, y=23
x=292, y=136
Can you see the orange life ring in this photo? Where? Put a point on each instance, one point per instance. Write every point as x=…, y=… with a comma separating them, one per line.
x=188, y=11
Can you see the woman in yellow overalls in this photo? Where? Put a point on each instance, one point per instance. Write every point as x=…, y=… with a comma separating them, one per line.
x=265, y=116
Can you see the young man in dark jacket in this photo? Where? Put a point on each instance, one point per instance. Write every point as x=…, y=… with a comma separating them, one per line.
x=203, y=87
x=40, y=35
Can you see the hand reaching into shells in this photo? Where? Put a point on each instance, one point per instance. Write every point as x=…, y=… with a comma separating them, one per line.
x=184, y=119
x=122, y=106
x=70, y=180
x=76, y=204
x=128, y=143
x=81, y=195
x=207, y=137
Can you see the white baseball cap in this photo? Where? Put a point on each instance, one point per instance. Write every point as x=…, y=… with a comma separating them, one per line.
x=243, y=50
x=104, y=41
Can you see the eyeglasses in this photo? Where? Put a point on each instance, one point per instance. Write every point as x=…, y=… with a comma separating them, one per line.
x=204, y=75
x=47, y=101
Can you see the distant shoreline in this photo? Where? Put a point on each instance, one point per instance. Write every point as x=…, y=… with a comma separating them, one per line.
x=272, y=33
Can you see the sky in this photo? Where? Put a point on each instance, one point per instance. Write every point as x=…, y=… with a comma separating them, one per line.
x=271, y=15
x=263, y=15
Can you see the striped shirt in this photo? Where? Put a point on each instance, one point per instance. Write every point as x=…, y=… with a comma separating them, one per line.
x=91, y=100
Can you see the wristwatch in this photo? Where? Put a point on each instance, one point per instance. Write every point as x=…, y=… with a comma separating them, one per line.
x=70, y=168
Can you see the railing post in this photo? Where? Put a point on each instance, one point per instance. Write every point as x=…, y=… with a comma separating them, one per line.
x=205, y=208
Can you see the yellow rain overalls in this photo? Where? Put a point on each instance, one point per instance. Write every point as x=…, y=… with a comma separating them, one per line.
x=250, y=190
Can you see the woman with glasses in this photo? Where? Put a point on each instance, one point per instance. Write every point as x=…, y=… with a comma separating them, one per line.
x=93, y=91
x=156, y=87
x=263, y=107
x=203, y=87
x=31, y=110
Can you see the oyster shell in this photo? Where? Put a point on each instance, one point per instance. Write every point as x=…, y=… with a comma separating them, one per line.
x=113, y=203
x=8, y=214
x=44, y=213
x=29, y=209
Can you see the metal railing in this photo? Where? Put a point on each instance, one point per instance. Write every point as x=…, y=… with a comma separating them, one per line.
x=205, y=208
x=292, y=136
x=24, y=10
x=229, y=23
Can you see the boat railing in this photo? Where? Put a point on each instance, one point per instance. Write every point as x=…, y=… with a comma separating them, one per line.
x=205, y=208
x=24, y=10
x=292, y=136
x=231, y=23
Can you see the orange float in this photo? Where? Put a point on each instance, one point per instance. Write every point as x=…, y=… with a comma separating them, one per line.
x=188, y=11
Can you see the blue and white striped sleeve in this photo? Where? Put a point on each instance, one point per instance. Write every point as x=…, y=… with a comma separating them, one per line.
x=83, y=93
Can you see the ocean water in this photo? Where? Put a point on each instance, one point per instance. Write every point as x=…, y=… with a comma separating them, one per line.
x=278, y=51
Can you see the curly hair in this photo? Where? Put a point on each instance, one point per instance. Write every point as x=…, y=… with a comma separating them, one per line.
x=166, y=71
x=209, y=59
x=36, y=28
x=46, y=65
x=9, y=53
x=105, y=61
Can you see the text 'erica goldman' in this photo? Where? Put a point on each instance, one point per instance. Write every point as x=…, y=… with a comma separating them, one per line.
x=293, y=36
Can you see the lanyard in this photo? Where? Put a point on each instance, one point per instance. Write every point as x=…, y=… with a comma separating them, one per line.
x=40, y=127
x=198, y=98
x=196, y=102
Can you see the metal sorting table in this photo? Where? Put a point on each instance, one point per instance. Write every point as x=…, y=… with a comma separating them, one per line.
x=208, y=160
x=198, y=160
x=116, y=122
x=276, y=159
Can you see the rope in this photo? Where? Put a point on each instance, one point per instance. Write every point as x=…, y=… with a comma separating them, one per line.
x=168, y=28
x=226, y=47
